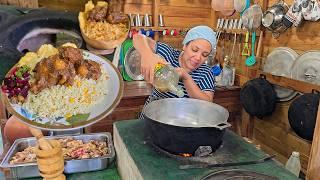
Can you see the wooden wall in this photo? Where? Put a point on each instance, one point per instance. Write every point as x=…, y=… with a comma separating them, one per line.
x=274, y=133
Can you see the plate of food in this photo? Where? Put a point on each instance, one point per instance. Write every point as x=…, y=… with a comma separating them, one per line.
x=62, y=88
x=102, y=27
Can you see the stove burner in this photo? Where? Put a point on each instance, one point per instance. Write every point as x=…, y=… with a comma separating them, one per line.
x=209, y=158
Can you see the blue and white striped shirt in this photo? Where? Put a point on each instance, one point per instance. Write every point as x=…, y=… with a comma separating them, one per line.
x=202, y=76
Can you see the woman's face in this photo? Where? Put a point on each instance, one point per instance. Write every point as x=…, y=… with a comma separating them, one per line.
x=195, y=54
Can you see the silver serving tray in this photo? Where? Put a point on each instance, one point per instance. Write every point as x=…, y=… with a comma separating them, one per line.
x=27, y=170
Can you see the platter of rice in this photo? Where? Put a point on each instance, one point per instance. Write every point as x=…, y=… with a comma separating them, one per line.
x=62, y=88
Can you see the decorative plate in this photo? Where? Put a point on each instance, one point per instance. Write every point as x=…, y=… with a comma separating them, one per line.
x=97, y=112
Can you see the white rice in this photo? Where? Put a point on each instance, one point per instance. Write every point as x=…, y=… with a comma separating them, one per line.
x=63, y=101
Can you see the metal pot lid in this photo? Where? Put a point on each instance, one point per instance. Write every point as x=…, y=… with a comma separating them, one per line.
x=279, y=62
x=132, y=63
x=307, y=67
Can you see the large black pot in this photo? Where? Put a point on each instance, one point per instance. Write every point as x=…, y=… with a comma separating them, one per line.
x=302, y=115
x=182, y=125
x=258, y=97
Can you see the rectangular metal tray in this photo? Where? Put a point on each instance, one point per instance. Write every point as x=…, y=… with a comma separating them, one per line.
x=27, y=170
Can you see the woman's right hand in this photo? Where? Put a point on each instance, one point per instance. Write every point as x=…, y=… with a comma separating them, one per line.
x=145, y=46
x=148, y=64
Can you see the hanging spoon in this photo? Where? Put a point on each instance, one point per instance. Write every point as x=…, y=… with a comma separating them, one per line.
x=251, y=60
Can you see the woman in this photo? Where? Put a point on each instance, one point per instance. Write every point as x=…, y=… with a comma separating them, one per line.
x=195, y=77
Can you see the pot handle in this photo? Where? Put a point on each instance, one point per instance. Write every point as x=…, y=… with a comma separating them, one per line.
x=223, y=125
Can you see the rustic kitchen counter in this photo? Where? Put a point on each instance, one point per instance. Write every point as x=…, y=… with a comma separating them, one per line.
x=138, y=159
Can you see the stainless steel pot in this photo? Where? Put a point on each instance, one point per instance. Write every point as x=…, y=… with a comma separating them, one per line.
x=272, y=18
x=182, y=125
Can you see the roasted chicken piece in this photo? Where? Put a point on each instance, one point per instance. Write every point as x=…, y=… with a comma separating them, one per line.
x=117, y=17
x=73, y=55
x=52, y=71
x=98, y=13
x=89, y=69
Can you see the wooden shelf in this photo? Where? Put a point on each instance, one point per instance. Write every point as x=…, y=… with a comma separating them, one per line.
x=160, y=28
x=289, y=83
x=235, y=31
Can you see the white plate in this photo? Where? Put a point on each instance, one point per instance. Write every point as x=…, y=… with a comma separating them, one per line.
x=98, y=112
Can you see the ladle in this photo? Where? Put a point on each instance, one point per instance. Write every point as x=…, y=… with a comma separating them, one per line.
x=251, y=60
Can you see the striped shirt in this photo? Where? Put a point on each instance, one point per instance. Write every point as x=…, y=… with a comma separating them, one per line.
x=202, y=76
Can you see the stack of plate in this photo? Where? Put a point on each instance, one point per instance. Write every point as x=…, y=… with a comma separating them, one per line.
x=129, y=63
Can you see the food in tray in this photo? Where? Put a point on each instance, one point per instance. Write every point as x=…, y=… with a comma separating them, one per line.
x=71, y=149
x=98, y=22
x=56, y=82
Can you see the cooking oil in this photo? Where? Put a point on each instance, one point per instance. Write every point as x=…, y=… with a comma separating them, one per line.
x=167, y=79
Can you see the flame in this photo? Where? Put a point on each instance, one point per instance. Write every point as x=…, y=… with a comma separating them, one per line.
x=185, y=154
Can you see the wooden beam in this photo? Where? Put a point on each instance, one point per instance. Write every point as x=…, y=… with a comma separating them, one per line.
x=285, y=82
x=314, y=163
x=247, y=124
x=155, y=16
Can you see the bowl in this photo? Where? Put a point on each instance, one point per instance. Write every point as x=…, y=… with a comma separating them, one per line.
x=98, y=43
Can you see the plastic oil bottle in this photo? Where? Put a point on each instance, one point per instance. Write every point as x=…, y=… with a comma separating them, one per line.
x=228, y=73
x=293, y=163
x=167, y=79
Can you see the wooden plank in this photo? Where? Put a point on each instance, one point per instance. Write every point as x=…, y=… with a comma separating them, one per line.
x=155, y=16
x=314, y=163
x=187, y=3
x=289, y=83
x=182, y=22
x=21, y=3
x=72, y=5
x=247, y=124
x=140, y=9
x=188, y=12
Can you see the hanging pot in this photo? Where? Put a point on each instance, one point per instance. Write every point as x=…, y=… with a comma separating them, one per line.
x=272, y=18
x=258, y=97
x=302, y=115
x=182, y=125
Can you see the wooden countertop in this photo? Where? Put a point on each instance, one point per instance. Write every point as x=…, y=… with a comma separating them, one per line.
x=136, y=89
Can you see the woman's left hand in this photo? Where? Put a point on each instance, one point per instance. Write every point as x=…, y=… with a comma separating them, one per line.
x=183, y=74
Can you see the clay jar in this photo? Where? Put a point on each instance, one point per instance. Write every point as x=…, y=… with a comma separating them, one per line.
x=15, y=129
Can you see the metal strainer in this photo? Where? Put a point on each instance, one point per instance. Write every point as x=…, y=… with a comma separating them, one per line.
x=251, y=18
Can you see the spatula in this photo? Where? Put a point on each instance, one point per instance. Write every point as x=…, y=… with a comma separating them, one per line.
x=245, y=50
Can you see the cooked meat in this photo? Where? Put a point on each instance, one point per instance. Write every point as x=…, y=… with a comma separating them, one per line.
x=93, y=68
x=74, y=55
x=62, y=69
x=98, y=13
x=52, y=71
x=117, y=17
x=71, y=149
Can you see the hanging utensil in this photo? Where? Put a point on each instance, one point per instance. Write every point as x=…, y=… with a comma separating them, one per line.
x=205, y=165
x=251, y=60
x=245, y=50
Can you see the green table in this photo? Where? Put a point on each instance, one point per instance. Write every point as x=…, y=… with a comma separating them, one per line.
x=110, y=173
x=153, y=165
